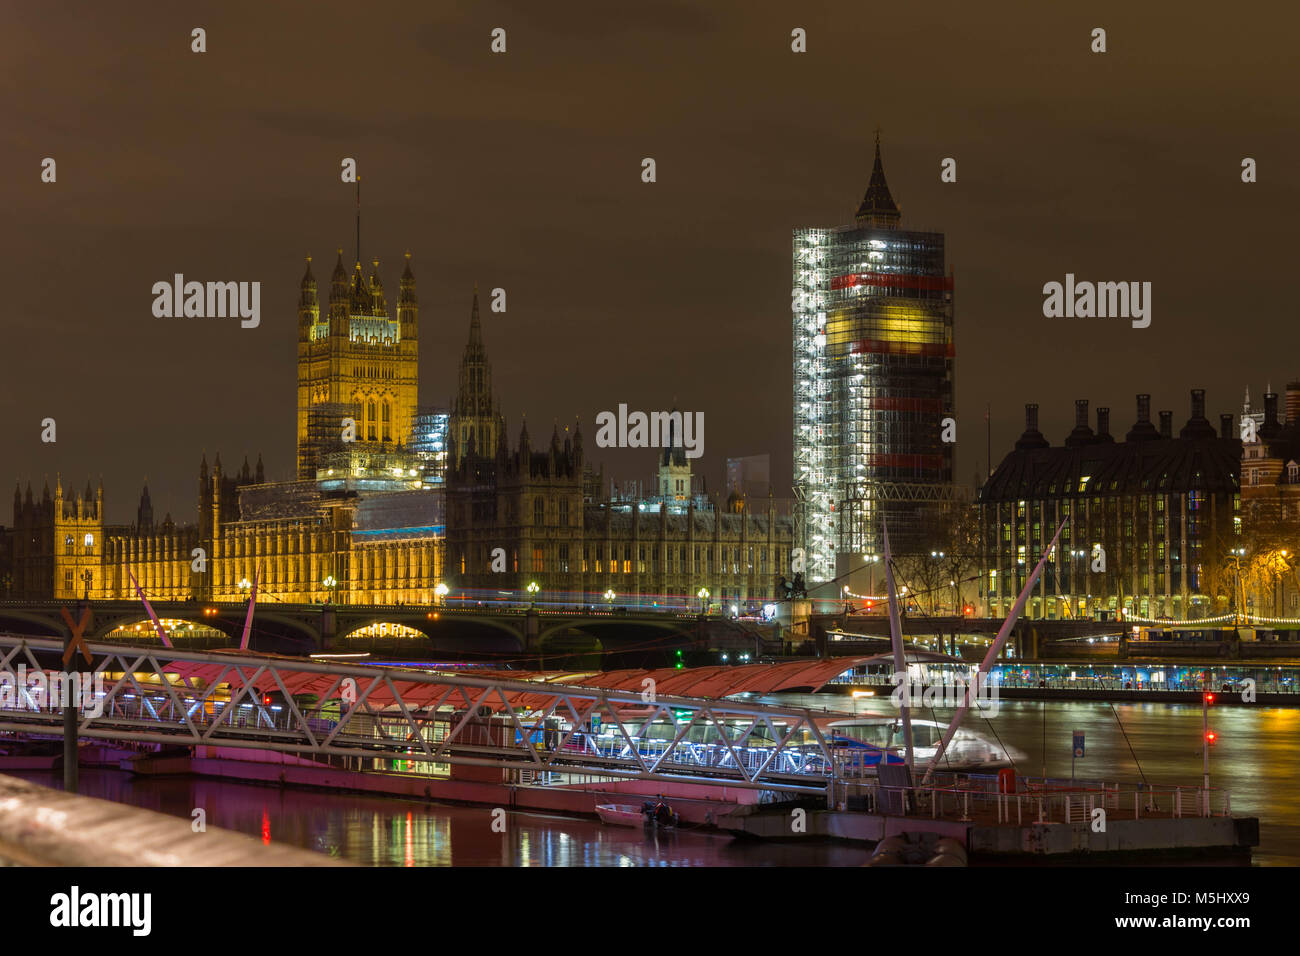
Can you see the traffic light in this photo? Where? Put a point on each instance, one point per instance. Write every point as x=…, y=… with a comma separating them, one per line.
x=679, y=659
x=1209, y=699
x=1211, y=736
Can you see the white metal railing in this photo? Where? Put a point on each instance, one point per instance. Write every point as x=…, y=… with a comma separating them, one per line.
x=1051, y=801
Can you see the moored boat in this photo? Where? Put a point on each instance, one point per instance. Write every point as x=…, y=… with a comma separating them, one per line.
x=621, y=815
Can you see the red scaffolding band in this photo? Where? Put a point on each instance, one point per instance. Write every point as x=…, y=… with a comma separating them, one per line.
x=893, y=281
x=887, y=347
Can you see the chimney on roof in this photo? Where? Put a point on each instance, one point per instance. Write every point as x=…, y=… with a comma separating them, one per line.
x=1143, y=430
x=1082, y=434
x=1197, y=426
x=1292, y=402
x=1103, y=423
x=1166, y=424
x=1225, y=426
x=1032, y=438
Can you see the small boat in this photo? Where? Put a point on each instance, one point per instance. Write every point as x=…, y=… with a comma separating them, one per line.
x=621, y=815
x=627, y=815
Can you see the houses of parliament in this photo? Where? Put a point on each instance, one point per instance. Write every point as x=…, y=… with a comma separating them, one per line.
x=397, y=503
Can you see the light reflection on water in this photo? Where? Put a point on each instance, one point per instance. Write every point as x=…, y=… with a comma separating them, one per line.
x=1256, y=759
x=391, y=832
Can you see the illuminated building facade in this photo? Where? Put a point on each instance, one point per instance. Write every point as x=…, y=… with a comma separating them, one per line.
x=1269, y=553
x=355, y=362
x=1151, y=521
x=873, y=382
x=363, y=524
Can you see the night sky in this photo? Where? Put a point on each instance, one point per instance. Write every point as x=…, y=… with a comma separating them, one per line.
x=522, y=170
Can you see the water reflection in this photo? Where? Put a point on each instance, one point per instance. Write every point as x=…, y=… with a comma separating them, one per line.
x=390, y=832
x=1256, y=758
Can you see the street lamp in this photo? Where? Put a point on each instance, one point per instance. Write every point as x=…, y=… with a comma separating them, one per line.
x=703, y=595
x=871, y=561
x=533, y=588
x=329, y=583
x=441, y=591
x=244, y=585
x=609, y=596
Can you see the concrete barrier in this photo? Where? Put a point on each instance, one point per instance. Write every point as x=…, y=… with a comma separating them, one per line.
x=44, y=827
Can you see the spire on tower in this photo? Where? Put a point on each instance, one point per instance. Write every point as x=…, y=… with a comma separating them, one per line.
x=378, y=304
x=878, y=208
x=474, y=350
x=406, y=294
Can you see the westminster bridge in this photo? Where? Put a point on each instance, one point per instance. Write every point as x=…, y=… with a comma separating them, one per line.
x=486, y=632
x=617, y=636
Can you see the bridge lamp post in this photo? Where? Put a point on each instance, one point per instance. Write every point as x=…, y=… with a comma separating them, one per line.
x=244, y=586
x=703, y=595
x=441, y=591
x=609, y=598
x=330, y=584
x=533, y=588
x=87, y=577
x=1237, y=555
x=938, y=556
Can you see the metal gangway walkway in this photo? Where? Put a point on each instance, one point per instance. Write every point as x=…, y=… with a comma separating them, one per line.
x=326, y=709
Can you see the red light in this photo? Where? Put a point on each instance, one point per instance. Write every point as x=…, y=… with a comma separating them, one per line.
x=1209, y=700
x=1211, y=736
x=266, y=698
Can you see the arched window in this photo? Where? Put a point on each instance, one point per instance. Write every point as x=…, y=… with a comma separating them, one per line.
x=539, y=511
x=68, y=546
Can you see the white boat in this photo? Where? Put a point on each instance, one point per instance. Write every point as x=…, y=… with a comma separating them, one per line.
x=621, y=815
x=627, y=815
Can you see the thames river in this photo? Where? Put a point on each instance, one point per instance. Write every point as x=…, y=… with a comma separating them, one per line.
x=1256, y=758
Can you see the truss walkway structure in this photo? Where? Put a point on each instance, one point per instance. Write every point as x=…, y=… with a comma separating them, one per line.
x=327, y=710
